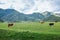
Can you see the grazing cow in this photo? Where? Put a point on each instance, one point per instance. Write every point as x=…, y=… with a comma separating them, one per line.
x=56, y=21
x=42, y=22
x=10, y=24
x=51, y=24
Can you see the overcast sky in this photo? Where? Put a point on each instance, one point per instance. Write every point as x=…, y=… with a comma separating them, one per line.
x=30, y=6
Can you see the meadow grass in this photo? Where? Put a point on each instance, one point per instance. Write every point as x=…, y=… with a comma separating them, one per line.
x=30, y=31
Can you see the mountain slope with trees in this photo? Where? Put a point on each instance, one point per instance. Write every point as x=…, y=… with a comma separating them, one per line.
x=11, y=15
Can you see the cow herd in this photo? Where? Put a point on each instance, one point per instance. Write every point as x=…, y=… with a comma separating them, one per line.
x=50, y=24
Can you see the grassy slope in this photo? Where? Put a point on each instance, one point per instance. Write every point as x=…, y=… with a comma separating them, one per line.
x=30, y=31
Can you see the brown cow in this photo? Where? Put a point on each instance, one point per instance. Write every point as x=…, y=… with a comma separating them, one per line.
x=10, y=24
x=42, y=22
x=56, y=21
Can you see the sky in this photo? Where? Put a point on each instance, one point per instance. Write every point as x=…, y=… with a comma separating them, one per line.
x=30, y=6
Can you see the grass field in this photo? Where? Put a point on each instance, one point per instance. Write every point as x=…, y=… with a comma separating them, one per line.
x=30, y=31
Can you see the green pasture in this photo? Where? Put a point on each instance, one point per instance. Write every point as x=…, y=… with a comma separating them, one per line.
x=30, y=31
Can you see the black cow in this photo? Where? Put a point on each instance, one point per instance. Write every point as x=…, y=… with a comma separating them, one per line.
x=51, y=24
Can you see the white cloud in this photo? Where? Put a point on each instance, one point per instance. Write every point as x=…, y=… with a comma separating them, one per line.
x=29, y=6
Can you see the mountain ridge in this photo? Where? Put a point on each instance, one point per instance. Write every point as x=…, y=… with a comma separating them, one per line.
x=11, y=15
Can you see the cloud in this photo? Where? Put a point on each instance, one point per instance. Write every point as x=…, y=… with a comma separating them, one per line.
x=5, y=4
x=30, y=6
x=56, y=4
x=1, y=3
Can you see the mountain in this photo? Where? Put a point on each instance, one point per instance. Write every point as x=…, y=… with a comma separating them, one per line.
x=57, y=14
x=35, y=16
x=52, y=18
x=2, y=13
x=47, y=14
x=11, y=15
x=14, y=16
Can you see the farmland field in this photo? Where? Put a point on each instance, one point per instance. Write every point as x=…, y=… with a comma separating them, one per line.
x=30, y=31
